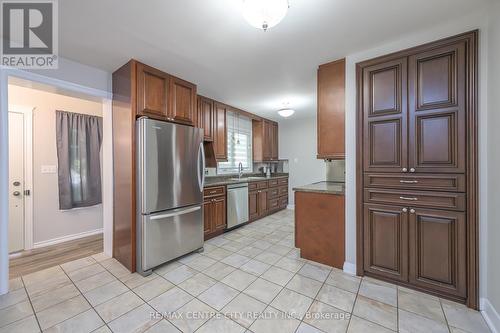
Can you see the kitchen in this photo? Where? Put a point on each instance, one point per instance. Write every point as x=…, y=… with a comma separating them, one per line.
x=282, y=175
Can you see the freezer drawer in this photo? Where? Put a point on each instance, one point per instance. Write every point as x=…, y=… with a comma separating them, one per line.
x=168, y=235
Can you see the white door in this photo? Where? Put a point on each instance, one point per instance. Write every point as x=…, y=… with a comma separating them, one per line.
x=16, y=182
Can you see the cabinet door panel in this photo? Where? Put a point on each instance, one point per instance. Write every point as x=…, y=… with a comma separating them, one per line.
x=263, y=203
x=206, y=117
x=152, y=92
x=182, y=101
x=253, y=206
x=385, y=116
x=385, y=241
x=219, y=213
x=437, y=132
x=437, y=251
x=220, y=133
x=274, y=145
x=207, y=217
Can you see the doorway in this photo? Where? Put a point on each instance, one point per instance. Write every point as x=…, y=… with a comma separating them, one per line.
x=20, y=179
x=42, y=232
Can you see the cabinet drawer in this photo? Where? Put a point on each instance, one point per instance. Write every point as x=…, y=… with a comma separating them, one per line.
x=273, y=193
x=214, y=191
x=283, y=201
x=283, y=181
x=434, y=182
x=443, y=200
x=261, y=185
x=273, y=182
x=273, y=204
x=252, y=186
x=283, y=190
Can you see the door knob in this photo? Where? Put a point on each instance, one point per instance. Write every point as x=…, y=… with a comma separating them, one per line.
x=405, y=170
x=404, y=210
x=16, y=183
x=16, y=193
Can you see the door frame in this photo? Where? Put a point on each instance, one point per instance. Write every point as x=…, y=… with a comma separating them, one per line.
x=107, y=148
x=472, y=203
x=28, y=172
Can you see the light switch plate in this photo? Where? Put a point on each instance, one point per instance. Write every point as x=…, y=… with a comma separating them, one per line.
x=49, y=169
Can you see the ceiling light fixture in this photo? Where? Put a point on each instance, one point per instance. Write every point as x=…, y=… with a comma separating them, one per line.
x=264, y=14
x=285, y=113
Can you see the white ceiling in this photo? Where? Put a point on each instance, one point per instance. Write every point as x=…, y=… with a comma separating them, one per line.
x=209, y=43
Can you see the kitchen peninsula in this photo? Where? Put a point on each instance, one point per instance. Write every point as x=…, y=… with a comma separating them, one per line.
x=320, y=223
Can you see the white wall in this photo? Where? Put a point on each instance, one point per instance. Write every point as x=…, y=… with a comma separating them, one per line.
x=477, y=20
x=492, y=288
x=49, y=223
x=297, y=143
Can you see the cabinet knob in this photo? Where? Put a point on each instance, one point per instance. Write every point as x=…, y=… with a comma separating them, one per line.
x=404, y=210
x=404, y=170
x=412, y=211
x=412, y=170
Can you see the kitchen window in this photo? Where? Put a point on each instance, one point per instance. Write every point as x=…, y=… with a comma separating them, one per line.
x=239, y=144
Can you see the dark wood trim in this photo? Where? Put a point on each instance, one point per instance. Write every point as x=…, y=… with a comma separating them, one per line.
x=471, y=39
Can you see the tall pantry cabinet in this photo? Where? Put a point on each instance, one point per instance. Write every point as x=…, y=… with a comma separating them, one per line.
x=417, y=160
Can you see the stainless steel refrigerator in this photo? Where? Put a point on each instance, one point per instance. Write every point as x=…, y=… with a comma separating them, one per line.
x=170, y=178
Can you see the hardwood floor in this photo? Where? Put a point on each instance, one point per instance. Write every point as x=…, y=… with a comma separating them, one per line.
x=42, y=258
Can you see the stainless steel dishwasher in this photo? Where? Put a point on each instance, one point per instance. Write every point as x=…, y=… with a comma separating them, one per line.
x=237, y=204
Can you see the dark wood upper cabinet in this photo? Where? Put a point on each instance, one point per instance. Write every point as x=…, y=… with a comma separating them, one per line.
x=206, y=117
x=265, y=140
x=437, y=245
x=385, y=241
x=152, y=92
x=220, y=132
x=331, y=110
x=437, y=104
x=385, y=117
x=182, y=101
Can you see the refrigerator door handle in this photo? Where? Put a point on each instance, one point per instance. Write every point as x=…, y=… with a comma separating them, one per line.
x=173, y=214
x=201, y=168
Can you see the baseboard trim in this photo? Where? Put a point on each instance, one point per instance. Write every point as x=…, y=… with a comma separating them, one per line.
x=349, y=268
x=490, y=315
x=290, y=207
x=67, y=238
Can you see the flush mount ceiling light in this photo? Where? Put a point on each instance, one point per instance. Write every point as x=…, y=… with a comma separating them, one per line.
x=285, y=113
x=264, y=14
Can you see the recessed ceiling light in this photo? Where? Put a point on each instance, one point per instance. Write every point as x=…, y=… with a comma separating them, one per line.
x=264, y=14
x=286, y=112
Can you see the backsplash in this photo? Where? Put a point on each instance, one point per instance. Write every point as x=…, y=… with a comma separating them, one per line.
x=335, y=171
x=280, y=166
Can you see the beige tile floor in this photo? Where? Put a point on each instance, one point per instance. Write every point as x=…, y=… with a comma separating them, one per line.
x=249, y=280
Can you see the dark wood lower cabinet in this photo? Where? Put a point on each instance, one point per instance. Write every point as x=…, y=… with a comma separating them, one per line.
x=214, y=211
x=386, y=241
x=263, y=202
x=253, y=205
x=437, y=245
x=267, y=197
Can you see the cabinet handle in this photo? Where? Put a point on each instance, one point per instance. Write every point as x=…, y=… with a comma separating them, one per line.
x=412, y=170
x=408, y=181
x=412, y=211
x=404, y=170
x=404, y=210
x=408, y=199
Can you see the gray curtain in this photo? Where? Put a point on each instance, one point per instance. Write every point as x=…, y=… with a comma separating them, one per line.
x=79, y=139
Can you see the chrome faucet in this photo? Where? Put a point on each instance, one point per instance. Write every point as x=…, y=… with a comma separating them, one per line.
x=240, y=170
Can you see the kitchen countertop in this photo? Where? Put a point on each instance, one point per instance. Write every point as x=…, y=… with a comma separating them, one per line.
x=323, y=187
x=226, y=180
